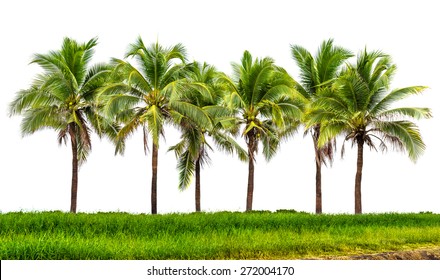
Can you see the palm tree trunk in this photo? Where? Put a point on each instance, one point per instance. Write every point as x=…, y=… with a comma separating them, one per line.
x=74, y=187
x=250, y=189
x=198, y=185
x=358, y=180
x=318, y=187
x=154, y=180
x=318, y=196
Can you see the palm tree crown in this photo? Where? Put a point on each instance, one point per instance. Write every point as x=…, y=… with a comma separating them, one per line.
x=318, y=73
x=64, y=98
x=204, y=90
x=359, y=108
x=147, y=97
x=262, y=94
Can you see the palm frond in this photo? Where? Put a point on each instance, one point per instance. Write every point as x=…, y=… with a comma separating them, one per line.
x=40, y=118
x=317, y=117
x=290, y=128
x=171, y=75
x=193, y=112
x=411, y=112
x=354, y=90
x=328, y=61
x=95, y=79
x=260, y=81
x=23, y=100
x=228, y=144
x=55, y=66
x=56, y=86
x=63, y=135
x=179, y=148
x=270, y=141
x=366, y=61
x=128, y=129
x=326, y=152
x=406, y=132
x=186, y=168
x=133, y=77
x=117, y=103
x=330, y=130
x=154, y=119
x=84, y=131
x=276, y=93
x=395, y=95
x=382, y=73
x=217, y=111
x=103, y=125
x=82, y=155
x=306, y=63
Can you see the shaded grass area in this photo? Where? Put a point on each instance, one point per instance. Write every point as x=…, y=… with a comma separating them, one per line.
x=224, y=235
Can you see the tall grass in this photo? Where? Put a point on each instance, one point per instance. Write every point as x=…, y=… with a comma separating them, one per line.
x=56, y=235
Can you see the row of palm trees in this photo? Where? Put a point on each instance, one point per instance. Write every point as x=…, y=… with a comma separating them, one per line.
x=260, y=102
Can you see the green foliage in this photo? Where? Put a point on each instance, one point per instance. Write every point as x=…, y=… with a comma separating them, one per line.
x=56, y=235
x=63, y=97
x=146, y=95
x=266, y=106
x=317, y=74
x=321, y=70
x=358, y=107
x=260, y=99
x=266, y=103
x=201, y=89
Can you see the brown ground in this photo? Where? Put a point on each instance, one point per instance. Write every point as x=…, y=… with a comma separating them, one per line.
x=420, y=254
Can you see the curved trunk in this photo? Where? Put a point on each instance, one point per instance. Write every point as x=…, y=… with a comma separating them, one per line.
x=74, y=186
x=154, y=180
x=198, y=186
x=358, y=180
x=250, y=190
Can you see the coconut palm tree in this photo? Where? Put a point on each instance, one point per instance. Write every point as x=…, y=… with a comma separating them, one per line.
x=63, y=98
x=203, y=90
x=146, y=97
x=359, y=108
x=317, y=73
x=262, y=94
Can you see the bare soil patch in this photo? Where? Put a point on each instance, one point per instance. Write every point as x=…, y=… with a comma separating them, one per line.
x=419, y=254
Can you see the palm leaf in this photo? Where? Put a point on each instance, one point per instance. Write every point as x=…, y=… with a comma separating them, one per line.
x=411, y=112
x=40, y=118
x=395, y=95
x=270, y=141
x=328, y=62
x=154, y=119
x=117, y=103
x=408, y=133
x=96, y=76
x=306, y=63
x=186, y=168
x=133, y=77
x=193, y=112
x=228, y=144
x=330, y=130
x=179, y=148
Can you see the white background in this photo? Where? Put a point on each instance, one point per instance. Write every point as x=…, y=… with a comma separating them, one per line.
x=36, y=172
x=137, y=270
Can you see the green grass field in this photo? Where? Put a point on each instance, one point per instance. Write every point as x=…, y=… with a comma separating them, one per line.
x=223, y=235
